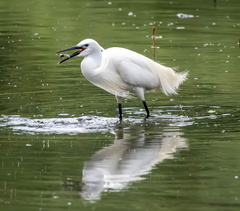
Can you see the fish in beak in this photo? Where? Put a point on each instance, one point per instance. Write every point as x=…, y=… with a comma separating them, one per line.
x=80, y=49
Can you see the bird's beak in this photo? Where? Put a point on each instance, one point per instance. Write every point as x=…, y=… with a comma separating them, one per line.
x=80, y=49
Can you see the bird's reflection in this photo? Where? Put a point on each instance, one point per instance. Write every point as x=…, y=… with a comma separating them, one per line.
x=126, y=160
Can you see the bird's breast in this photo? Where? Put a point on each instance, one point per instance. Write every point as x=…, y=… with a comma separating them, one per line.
x=106, y=77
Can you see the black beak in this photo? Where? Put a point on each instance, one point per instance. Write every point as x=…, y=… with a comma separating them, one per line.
x=80, y=49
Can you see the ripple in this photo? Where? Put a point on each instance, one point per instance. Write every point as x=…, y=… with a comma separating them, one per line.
x=85, y=124
x=171, y=116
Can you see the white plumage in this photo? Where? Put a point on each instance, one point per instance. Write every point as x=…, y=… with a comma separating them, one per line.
x=123, y=72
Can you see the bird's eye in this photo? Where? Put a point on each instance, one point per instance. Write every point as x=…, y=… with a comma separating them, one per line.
x=86, y=45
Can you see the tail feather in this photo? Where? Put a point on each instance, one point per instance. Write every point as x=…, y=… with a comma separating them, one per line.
x=169, y=79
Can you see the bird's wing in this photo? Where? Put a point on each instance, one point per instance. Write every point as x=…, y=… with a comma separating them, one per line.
x=135, y=69
x=140, y=71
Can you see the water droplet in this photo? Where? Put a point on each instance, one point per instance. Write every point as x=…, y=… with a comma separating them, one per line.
x=180, y=27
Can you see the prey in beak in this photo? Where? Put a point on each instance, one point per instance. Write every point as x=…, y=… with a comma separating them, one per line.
x=80, y=49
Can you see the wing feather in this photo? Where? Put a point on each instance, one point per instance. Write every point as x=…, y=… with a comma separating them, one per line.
x=140, y=71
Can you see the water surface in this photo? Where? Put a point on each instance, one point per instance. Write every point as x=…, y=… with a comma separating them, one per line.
x=62, y=146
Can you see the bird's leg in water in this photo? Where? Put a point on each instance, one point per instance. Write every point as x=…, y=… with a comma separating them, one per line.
x=146, y=108
x=119, y=101
x=120, y=110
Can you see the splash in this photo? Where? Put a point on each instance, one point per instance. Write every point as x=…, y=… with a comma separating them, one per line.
x=85, y=124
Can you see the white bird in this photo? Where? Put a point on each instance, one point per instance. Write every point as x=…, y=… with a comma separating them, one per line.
x=123, y=72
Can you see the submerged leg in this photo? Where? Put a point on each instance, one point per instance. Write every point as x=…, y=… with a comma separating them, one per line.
x=120, y=110
x=146, y=108
x=119, y=101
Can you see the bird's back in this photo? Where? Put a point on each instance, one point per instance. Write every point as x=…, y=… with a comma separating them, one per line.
x=140, y=71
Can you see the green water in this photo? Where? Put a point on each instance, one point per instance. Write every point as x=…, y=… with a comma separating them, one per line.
x=62, y=146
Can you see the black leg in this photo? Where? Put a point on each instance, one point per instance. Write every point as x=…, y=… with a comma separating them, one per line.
x=146, y=108
x=120, y=110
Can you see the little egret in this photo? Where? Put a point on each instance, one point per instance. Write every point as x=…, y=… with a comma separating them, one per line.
x=123, y=72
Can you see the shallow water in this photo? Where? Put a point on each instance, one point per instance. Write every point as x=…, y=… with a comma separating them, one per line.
x=62, y=146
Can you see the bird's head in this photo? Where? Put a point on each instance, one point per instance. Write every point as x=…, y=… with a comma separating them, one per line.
x=84, y=48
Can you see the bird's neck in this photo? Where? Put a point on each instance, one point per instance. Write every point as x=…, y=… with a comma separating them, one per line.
x=91, y=64
x=92, y=61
